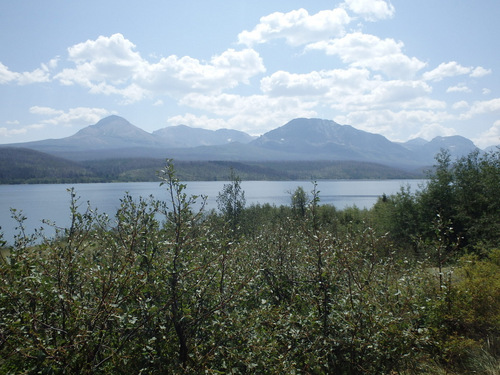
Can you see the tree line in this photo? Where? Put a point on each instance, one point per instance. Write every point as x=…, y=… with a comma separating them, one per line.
x=25, y=166
x=409, y=286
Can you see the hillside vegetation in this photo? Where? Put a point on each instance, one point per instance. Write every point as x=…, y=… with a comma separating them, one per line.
x=19, y=166
x=25, y=166
x=411, y=286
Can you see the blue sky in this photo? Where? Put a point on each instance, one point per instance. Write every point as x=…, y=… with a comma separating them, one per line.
x=400, y=68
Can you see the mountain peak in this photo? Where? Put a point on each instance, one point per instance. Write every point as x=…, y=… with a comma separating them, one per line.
x=110, y=125
x=300, y=129
x=110, y=120
x=113, y=132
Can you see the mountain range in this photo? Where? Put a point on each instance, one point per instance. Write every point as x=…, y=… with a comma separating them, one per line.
x=299, y=140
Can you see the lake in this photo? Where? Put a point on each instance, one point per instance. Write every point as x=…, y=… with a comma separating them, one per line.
x=51, y=201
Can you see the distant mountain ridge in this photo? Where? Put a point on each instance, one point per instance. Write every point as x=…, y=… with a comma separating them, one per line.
x=457, y=146
x=299, y=140
x=325, y=139
x=181, y=136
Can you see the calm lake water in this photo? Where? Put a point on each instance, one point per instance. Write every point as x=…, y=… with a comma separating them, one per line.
x=51, y=202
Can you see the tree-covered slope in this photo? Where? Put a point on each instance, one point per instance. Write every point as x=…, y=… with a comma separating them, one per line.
x=20, y=165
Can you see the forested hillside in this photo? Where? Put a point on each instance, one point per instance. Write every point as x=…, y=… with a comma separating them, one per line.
x=18, y=166
x=146, y=170
x=411, y=286
x=24, y=166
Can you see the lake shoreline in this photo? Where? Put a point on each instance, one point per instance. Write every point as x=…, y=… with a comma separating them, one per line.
x=52, y=201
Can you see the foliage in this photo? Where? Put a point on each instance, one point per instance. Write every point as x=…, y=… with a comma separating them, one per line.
x=300, y=201
x=231, y=201
x=164, y=287
x=463, y=194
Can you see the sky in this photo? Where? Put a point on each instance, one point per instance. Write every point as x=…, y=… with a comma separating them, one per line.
x=403, y=69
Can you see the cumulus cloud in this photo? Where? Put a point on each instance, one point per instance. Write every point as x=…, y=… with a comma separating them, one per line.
x=38, y=75
x=379, y=94
x=195, y=121
x=254, y=114
x=460, y=105
x=432, y=130
x=73, y=117
x=371, y=10
x=6, y=132
x=297, y=27
x=350, y=89
x=283, y=83
x=45, y=111
x=52, y=119
x=491, y=137
x=461, y=87
x=110, y=65
x=397, y=92
x=444, y=70
x=482, y=107
x=480, y=72
x=329, y=84
x=186, y=74
x=369, y=51
x=395, y=124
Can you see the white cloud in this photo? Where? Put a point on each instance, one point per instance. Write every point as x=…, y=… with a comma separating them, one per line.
x=73, y=117
x=480, y=72
x=486, y=91
x=386, y=94
x=110, y=65
x=328, y=84
x=482, y=107
x=369, y=51
x=186, y=74
x=371, y=10
x=254, y=114
x=5, y=132
x=491, y=137
x=53, y=63
x=52, y=122
x=351, y=89
x=460, y=105
x=395, y=124
x=461, y=87
x=45, y=111
x=397, y=92
x=38, y=75
x=297, y=27
x=444, y=70
x=203, y=122
x=432, y=130
x=6, y=75
x=284, y=83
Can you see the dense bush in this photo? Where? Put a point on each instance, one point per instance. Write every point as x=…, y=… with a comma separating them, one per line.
x=463, y=194
x=164, y=288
